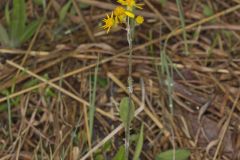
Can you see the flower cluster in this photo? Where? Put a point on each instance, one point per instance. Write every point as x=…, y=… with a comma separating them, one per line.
x=120, y=14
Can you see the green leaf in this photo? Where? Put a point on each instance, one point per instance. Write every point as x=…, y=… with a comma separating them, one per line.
x=30, y=83
x=4, y=39
x=29, y=32
x=138, y=149
x=7, y=14
x=207, y=10
x=18, y=21
x=92, y=97
x=64, y=10
x=180, y=154
x=126, y=114
x=120, y=154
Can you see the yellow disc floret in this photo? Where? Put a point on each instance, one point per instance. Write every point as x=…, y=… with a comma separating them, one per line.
x=109, y=22
x=119, y=11
x=139, y=19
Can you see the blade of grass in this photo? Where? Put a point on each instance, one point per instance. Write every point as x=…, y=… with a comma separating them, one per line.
x=93, y=99
x=4, y=39
x=120, y=153
x=29, y=31
x=63, y=11
x=167, y=70
x=182, y=19
x=18, y=21
x=138, y=149
x=7, y=14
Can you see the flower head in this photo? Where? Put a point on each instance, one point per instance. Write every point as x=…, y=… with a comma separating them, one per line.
x=130, y=4
x=139, y=19
x=109, y=22
x=119, y=13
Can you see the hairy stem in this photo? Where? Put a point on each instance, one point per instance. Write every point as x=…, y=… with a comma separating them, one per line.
x=130, y=88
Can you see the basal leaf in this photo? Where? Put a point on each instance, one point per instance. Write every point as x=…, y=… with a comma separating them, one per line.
x=18, y=21
x=180, y=154
x=120, y=154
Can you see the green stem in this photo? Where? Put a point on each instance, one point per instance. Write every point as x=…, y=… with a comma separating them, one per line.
x=130, y=88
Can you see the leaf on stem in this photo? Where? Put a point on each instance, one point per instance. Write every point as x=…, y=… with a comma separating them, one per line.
x=126, y=113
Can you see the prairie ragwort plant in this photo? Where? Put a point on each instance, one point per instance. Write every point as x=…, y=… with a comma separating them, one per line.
x=124, y=14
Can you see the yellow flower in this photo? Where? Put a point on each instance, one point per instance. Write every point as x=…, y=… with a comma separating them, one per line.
x=109, y=22
x=119, y=13
x=139, y=19
x=130, y=4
